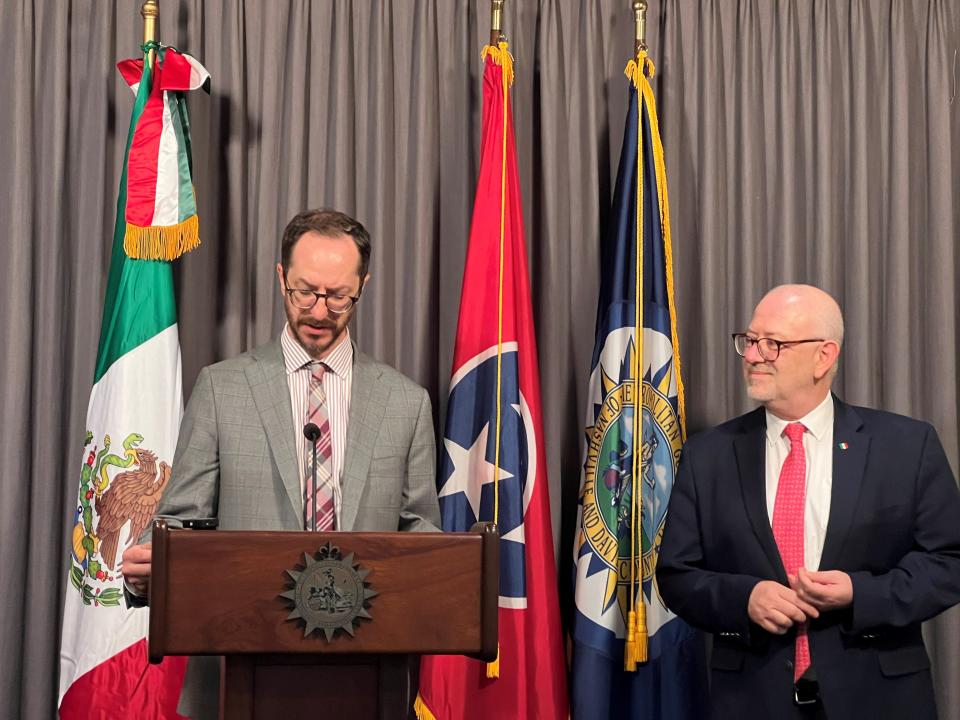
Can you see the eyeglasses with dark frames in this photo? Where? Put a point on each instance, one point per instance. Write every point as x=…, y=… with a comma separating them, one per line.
x=768, y=348
x=306, y=299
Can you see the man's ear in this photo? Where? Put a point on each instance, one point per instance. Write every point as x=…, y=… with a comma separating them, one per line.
x=826, y=358
x=283, y=284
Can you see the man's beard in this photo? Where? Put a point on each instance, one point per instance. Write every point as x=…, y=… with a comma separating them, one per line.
x=759, y=394
x=758, y=390
x=313, y=347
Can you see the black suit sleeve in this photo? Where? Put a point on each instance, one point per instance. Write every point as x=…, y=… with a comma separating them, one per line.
x=926, y=581
x=712, y=601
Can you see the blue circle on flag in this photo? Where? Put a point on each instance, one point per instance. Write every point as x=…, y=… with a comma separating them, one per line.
x=469, y=456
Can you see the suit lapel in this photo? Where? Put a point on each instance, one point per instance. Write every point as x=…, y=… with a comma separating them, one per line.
x=750, y=448
x=850, y=448
x=271, y=395
x=368, y=404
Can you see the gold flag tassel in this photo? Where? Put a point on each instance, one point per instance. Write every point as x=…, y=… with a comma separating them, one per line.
x=635, y=651
x=493, y=668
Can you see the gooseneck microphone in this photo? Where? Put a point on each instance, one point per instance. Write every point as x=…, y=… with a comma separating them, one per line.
x=312, y=433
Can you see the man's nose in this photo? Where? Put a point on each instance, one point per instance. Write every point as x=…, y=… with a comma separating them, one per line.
x=752, y=354
x=319, y=309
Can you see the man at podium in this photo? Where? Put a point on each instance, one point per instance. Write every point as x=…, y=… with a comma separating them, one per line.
x=255, y=423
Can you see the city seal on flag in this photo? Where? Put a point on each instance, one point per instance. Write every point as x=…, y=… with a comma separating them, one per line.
x=106, y=506
x=607, y=520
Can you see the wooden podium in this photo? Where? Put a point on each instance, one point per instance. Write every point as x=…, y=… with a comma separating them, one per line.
x=233, y=594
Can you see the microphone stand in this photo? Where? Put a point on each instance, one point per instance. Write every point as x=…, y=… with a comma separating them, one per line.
x=312, y=433
x=313, y=484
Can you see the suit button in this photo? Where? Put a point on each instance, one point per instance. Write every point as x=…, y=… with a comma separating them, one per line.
x=788, y=664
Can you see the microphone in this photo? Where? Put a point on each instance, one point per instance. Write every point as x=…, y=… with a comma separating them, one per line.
x=312, y=433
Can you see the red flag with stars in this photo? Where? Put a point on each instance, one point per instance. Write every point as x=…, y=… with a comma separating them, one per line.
x=493, y=464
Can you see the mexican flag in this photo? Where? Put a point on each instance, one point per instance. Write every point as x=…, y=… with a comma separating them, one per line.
x=132, y=419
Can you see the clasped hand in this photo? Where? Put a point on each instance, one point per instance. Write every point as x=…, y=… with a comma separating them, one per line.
x=776, y=608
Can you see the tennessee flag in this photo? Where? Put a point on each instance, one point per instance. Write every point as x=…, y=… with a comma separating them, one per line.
x=492, y=464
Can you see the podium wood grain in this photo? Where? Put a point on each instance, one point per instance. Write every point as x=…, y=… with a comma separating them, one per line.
x=216, y=592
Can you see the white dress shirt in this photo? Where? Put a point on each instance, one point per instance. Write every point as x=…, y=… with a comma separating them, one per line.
x=818, y=448
x=337, y=381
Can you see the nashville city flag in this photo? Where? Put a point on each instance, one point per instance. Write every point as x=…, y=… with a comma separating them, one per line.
x=632, y=657
x=132, y=423
x=492, y=464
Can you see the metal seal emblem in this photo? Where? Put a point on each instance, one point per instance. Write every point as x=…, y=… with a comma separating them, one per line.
x=328, y=593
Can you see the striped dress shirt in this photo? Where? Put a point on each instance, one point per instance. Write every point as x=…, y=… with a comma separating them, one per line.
x=337, y=381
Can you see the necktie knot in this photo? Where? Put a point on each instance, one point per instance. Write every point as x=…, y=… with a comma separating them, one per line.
x=795, y=432
x=317, y=369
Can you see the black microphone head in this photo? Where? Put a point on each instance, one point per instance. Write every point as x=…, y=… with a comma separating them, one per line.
x=311, y=432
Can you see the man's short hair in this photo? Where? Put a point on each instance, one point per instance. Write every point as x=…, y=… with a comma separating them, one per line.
x=329, y=223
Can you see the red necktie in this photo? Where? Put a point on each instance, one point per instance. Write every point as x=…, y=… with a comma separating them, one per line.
x=322, y=505
x=788, y=525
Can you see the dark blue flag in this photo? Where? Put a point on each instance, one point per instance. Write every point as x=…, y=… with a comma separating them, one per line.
x=632, y=657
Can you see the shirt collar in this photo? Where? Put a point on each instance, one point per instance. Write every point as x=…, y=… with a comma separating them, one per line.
x=295, y=357
x=817, y=422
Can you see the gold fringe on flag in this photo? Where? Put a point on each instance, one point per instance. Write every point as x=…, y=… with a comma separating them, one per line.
x=500, y=56
x=167, y=242
x=421, y=710
x=493, y=668
x=640, y=69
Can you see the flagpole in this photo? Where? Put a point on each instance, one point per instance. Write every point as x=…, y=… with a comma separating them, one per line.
x=640, y=26
x=496, y=22
x=635, y=646
x=150, y=11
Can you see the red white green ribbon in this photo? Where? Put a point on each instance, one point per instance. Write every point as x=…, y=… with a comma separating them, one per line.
x=161, y=215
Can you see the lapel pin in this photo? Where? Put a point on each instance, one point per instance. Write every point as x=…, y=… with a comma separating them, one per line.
x=843, y=446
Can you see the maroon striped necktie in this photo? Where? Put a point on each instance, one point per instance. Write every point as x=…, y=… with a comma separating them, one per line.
x=322, y=505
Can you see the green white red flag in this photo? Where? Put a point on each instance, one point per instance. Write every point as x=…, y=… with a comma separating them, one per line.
x=132, y=424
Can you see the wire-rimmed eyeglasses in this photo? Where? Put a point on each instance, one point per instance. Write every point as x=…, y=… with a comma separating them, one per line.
x=768, y=348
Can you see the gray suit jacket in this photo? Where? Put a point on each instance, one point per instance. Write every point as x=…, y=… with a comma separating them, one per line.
x=236, y=461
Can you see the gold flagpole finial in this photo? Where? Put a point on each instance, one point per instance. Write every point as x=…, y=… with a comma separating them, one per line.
x=496, y=21
x=640, y=26
x=150, y=11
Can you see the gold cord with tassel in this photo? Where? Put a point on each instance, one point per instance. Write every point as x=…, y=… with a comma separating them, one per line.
x=500, y=55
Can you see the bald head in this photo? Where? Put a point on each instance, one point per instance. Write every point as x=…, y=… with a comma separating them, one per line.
x=807, y=309
x=807, y=325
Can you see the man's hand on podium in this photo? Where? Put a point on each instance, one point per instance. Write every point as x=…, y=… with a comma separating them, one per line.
x=135, y=566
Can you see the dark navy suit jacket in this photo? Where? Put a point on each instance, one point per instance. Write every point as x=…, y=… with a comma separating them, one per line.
x=894, y=527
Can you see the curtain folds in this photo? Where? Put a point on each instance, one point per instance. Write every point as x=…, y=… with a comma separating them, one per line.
x=805, y=141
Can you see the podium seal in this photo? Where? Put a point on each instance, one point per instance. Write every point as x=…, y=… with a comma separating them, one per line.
x=329, y=593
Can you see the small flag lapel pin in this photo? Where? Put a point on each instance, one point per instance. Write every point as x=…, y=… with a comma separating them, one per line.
x=843, y=446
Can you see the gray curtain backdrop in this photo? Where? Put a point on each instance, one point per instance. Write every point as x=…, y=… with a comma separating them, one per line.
x=805, y=141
